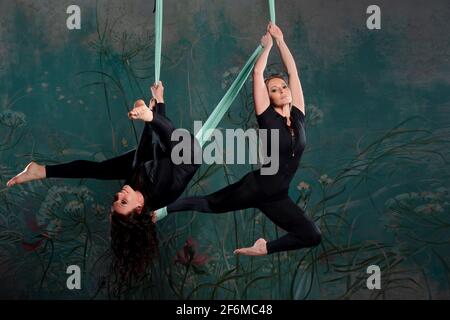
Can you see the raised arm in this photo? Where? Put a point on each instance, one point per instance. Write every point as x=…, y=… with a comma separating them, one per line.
x=291, y=68
x=260, y=95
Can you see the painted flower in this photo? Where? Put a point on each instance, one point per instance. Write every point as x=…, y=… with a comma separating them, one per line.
x=303, y=186
x=429, y=208
x=189, y=255
x=325, y=180
x=315, y=115
x=12, y=118
x=228, y=77
x=33, y=246
x=37, y=229
x=73, y=206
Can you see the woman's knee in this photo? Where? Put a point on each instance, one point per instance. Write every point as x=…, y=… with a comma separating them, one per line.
x=312, y=237
x=316, y=238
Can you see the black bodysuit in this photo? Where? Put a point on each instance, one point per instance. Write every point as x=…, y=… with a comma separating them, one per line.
x=148, y=168
x=268, y=193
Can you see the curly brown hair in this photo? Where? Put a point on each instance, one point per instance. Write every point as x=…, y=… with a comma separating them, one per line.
x=134, y=244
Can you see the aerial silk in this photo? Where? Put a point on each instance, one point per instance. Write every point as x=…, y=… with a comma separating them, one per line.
x=225, y=103
x=158, y=37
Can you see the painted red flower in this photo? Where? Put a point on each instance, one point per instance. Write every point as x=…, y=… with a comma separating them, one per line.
x=32, y=246
x=35, y=228
x=33, y=225
x=189, y=255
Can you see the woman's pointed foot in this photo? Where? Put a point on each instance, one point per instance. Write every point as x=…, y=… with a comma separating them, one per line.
x=32, y=171
x=141, y=112
x=258, y=249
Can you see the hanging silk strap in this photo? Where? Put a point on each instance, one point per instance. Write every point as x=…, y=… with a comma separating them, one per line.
x=222, y=107
x=272, y=10
x=158, y=37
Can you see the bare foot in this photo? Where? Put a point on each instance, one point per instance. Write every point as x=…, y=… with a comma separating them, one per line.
x=32, y=171
x=258, y=249
x=141, y=112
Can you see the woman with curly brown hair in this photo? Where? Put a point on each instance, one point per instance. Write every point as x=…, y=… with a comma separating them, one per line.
x=152, y=180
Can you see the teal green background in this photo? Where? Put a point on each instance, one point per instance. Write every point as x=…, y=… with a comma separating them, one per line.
x=377, y=104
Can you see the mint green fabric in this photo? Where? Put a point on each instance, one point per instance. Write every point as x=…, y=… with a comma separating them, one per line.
x=158, y=37
x=272, y=10
x=222, y=107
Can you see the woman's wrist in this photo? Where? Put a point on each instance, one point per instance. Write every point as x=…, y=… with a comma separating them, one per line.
x=279, y=41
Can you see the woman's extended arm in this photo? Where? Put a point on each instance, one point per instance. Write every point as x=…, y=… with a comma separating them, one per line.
x=260, y=95
x=289, y=63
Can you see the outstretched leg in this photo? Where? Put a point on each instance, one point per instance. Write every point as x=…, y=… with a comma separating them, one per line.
x=236, y=196
x=112, y=169
x=302, y=231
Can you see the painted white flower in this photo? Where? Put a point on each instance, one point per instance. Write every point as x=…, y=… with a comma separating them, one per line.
x=228, y=77
x=315, y=115
x=325, y=180
x=73, y=206
x=61, y=97
x=11, y=118
x=303, y=186
x=56, y=201
x=429, y=208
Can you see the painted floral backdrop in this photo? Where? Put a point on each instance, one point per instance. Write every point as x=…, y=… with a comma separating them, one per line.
x=374, y=175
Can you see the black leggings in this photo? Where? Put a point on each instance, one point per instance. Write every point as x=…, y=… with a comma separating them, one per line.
x=121, y=167
x=281, y=210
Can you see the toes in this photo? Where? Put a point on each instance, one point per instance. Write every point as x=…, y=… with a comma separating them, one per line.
x=139, y=103
x=12, y=182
